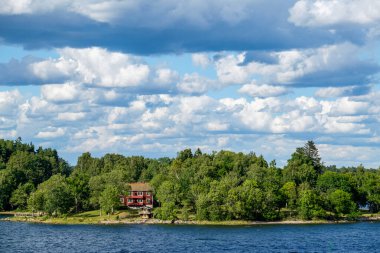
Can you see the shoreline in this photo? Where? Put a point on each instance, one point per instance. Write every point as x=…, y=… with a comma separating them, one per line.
x=135, y=221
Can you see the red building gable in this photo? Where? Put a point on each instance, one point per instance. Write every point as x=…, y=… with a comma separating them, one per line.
x=140, y=195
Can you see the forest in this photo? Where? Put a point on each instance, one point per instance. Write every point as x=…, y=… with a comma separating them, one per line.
x=218, y=186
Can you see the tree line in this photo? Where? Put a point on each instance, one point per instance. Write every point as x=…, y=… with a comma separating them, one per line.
x=222, y=185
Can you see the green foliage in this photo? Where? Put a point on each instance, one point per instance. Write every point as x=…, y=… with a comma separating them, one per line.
x=21, y=164
x=109, y=199
x=289, y=192
x=20, y=196
x=219, y=186
x=341, y=202
x=167, y=211
x=371, y=189
x=310, y=205
x=52, y=196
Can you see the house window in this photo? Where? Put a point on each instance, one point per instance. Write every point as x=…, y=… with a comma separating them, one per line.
x=140, y=193
x=122, y=200
x=148, y=194
x=148, y=201
x=140, y=200
x=130, y=200
x=130, y=193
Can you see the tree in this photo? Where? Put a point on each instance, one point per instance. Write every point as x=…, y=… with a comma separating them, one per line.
x=52, y=196
x=299, y=170
x=7, y=185
x=109, y=199
x=185, y=154
x=97, y=185
x=309, y=205
x=20, y=196
x=289, y=191
x=78, y=183
x=371, y=189
x=341, y=202
x=311, y=151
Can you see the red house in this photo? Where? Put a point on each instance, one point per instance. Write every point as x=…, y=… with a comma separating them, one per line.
x=140, y=196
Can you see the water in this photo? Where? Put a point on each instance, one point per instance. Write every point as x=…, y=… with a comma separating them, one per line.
x=24, y=237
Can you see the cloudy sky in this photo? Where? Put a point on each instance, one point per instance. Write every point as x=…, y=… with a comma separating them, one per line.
x=142, y=77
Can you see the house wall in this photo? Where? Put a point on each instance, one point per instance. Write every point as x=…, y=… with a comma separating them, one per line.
x=137, y=199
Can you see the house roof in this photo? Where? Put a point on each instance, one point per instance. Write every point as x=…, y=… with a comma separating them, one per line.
x=140, y=187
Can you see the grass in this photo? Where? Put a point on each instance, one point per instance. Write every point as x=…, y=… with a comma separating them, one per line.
x=131, y=216
x=90, y=217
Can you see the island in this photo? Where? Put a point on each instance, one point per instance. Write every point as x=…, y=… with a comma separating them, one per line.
x=224, y=187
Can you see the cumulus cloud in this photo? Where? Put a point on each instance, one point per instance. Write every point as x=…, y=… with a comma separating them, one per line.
x=201, y=60
x=61, y=93
x=195, y=84
x=160, y=27
x=264, y=90
x=345, y=106
x=332, y=65
x=166, y=76
x=95, y=66
x=113, y=10
x=334, y=12
x=18, y=72
x=71, y=116
x=52, y=133
x=343, y=91
x=173, y=122
x=9, y=102
x=101, y=95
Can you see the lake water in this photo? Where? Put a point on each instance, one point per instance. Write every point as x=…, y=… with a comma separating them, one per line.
x=24, y=237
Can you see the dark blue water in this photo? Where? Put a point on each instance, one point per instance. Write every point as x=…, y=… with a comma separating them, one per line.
x=24, y=237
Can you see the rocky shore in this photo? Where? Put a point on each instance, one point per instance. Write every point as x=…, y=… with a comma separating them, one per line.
x=126, y=221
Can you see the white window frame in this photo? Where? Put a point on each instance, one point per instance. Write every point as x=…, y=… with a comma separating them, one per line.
x=122, y=200
x=140, y=193
x=140, y=200
x=148, y=201
x=147, y=193
x=130, y=200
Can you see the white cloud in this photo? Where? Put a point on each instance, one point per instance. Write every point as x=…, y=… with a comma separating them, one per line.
x=201, y=60
x=331, y=92
x=53, y=133
x=334, y=12
x=329, y=64
x=194, y=84
x=95, y=66
x=166, y=76
x=264, y=90
x=349, y=155
x=161, y=12
x=345, y=106
x=30, y=6
x=228, y=69
x=9, y=101
x=54, y=69
x=61, y=93
x=217, y=126
x=71, y=116
x=175, y=122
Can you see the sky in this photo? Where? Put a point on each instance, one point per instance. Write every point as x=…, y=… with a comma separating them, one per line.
x=141, y=77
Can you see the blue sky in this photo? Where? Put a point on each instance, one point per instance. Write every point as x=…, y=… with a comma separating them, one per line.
x=152, y=78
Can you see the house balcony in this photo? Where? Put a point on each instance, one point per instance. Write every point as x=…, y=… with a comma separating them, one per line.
x=136, y=204
x=136, y=197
